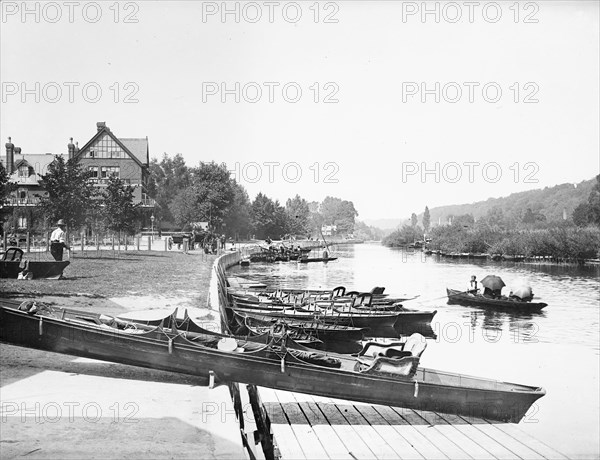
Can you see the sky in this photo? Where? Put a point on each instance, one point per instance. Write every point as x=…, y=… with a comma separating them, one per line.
x=392, y=105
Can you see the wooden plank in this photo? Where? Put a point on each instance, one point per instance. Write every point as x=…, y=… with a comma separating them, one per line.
x=267, y=394
x=478, y=436
x=330, y=441
x=306, y=437
x=456, y=436
x=445, y=444
x=287, y=443
x=355, y=446
x=508, y=441
x=367, y=433
x=535, y=444
x=401, y=446
x=408, y=432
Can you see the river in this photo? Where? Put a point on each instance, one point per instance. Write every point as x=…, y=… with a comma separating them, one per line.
x=558, y=348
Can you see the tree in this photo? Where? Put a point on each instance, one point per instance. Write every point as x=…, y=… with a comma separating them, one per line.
x=166, y=180
x=297, y=215
x=413, y=220
x=426, y=220
x=207, y=199
x=6, y=187
x=70, y=194
x=581, y=215
x=340, y=213
x=237, y=219
x=594, y=203
x=119, y=212
x=268, y=217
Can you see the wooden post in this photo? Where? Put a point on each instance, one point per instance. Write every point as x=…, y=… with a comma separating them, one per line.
x=149, y=243
x=97, y=244
x=82, y=245
x=48, y=241
x=166, y=244
x=113, y=241
x=28, y=244
x=137, y=242
x=126, y=241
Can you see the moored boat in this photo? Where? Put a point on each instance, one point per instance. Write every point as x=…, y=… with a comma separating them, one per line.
x=388, y=375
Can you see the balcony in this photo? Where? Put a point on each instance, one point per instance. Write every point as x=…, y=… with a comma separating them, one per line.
x=14, y=202
x=104, y=181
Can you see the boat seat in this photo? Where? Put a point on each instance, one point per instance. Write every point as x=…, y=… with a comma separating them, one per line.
x=13, y=255
x=415, y=344
x=377, y=290
x=403, y=367
x=338, y=291
x=362, y=300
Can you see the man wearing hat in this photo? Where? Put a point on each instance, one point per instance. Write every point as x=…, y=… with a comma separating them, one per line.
x=57, y=241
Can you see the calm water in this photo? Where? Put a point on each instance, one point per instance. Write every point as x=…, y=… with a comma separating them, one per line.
x=557, y=349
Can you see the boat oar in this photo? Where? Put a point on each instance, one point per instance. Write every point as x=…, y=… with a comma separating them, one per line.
x=445, y=296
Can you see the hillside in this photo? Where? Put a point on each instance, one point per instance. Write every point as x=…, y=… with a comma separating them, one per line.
x=549, y=201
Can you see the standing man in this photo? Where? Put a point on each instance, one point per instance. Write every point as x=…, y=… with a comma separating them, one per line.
x=58, y=241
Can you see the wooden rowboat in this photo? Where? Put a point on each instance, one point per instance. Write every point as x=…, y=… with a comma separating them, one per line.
x=322, y=331
x=479, y=300
x=315, y=259
x=388, y=375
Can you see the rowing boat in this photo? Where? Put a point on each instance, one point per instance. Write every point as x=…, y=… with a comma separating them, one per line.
x=322, y=331
x=306, y=260
x=388, y=375
x=479, y=300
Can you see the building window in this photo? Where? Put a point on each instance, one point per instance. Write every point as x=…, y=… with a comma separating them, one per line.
x=93, y=170
x=108, y=171
x=105, y=147
x=22, y=222
x=23, y=171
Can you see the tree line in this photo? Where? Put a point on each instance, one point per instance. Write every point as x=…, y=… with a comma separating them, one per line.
x=531, y=234
x=184, y=196
x=207, y=193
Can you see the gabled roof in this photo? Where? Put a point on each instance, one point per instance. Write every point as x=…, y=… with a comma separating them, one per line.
x=108, y=132
x=39, y=163
x=139, y=147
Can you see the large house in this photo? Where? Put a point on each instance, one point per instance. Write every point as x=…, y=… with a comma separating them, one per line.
x=103, y=155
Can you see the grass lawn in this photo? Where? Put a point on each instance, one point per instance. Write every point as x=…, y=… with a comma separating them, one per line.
x=91, y=282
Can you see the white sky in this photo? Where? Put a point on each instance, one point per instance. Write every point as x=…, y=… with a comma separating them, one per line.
x=368, y=54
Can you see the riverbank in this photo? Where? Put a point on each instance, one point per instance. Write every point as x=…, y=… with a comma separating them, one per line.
x=60, y=406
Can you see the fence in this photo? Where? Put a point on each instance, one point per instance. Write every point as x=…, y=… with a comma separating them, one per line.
x=37, y=246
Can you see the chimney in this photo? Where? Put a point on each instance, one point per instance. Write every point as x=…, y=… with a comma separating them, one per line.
x=71, y=148
x=101, y=125
x=10, y=157
x=76, y=148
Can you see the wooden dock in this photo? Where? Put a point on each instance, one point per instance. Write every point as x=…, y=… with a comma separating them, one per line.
x=313, y=427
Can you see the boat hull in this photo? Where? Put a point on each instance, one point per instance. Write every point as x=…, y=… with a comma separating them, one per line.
x=41, y=269
x=177, y=354
x=461, y=298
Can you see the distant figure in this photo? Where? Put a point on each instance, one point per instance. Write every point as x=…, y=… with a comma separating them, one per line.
x=58, y=242
x=170, y=242
x=223, y=241
x=325, y=253
x=473, y=285
x=268, y=240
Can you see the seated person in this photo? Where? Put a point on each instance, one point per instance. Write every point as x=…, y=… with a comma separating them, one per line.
x=487, y=292
x=473, y=285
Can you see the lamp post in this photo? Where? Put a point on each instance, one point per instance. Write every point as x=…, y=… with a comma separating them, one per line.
x=152, y=225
